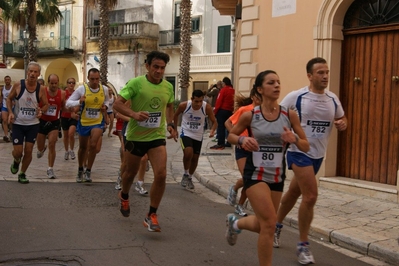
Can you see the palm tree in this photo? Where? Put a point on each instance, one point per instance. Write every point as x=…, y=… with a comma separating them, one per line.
x=29, y=13
x=105, y=7
x=185, y=48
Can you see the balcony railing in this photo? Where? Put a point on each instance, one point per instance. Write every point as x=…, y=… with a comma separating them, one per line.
x=211, y=63
x=45, y=45
x=169, y=37
x=136, y=29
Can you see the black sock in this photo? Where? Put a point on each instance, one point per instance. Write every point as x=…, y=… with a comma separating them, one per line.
x=80, y=169
x=125, y=196
x=152, y=210
x=88, y=170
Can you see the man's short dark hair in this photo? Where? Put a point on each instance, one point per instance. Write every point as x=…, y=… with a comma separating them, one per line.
x=93, y=70
x=157, y=55
x=197, y=93
x=312, y=62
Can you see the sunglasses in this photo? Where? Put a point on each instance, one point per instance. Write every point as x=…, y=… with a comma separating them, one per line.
x=71, y=82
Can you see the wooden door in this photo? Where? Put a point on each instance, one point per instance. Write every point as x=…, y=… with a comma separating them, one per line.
x=368, y=149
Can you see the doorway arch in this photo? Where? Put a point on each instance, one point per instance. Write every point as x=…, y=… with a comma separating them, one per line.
x=63, y=68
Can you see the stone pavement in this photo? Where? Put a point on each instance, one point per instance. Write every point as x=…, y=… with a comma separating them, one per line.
x=361, y=224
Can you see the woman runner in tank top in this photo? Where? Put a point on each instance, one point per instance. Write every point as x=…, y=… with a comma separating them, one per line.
x=270, y=134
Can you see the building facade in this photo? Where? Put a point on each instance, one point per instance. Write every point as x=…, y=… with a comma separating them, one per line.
x=358, y=39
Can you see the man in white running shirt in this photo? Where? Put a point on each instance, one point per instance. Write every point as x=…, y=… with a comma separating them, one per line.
x=319, y=111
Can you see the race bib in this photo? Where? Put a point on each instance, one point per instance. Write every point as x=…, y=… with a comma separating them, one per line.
x=92, y=113
x=27, y=113
x=317, y=129
x=52, y=110
x=268, y=156
x=153, y=120
x=194, y=126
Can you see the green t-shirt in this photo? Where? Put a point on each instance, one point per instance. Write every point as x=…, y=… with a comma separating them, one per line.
x=153, y=98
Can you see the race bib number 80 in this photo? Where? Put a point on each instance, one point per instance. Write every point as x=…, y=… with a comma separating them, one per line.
x=268, y=156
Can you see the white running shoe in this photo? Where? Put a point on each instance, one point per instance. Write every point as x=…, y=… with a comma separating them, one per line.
x=304, y=255
x=40, y=153
x=140, y=188
x=184, y=180
x=50, y=173
x=72, y=154
x=240, y=210
x=66, y=156
x=190, y=184
x=277, y=232
x=118, y=181
x=86, y=177
x=231, y=233
x=232, y=196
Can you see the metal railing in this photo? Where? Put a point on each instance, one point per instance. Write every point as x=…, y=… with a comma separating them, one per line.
x=169, y=37
x=45, y=44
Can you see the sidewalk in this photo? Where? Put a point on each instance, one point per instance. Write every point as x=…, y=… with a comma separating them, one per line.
x=364, y=225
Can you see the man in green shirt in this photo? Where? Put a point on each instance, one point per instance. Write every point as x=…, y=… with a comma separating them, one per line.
x=151, y=109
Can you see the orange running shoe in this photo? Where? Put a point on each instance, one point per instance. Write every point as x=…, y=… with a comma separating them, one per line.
x=125, y=208
x=151, y=222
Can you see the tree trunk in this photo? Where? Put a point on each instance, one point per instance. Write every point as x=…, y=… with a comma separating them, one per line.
x=103, y=41
x=185, y=48
x=31, y=16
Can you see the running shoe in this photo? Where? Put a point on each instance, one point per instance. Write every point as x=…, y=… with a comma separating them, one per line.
x=190, y=184
x=304, y=255
x=66, y=156
x=140, y=189
x=86, y=177
x=72, y=154
x=14, y=167
x=231, y=233
x=22, y=179
x=79, y=177
x=50, y=174
x=217, y=147
x=240, y=210
x=118, y=181
x=277, y=232
x=151, y=222
x=40, y=153
x=232, y=196
x=184, y=180
x=124, y=208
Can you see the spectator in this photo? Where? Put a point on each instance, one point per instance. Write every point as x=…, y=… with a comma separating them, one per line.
x=223, y=110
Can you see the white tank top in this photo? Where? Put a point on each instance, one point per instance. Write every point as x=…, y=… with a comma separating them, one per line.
x=5, y=93
x=25, y=106
x=193, y=121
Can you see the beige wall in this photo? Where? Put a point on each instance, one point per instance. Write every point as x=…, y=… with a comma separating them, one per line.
x=286, y=43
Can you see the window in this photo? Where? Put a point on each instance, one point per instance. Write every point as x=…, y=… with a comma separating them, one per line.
x=117, y=16
x=224, y=37
x=196, y=24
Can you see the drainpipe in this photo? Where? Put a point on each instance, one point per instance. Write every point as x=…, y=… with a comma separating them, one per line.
x=84, y=34
x=233, y=42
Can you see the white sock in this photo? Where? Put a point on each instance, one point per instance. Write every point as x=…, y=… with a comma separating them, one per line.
x=235, y=225
x=186, y=172
x=190, y=177
x=140, y=183
x=50, y=168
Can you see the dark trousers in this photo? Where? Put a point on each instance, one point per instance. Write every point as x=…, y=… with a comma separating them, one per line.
x=221, y=117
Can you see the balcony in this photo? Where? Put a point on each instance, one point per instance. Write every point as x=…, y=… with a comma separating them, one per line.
x=226, y=7
x=63, y=45
x=131, y=29
x=169, y=38
x=211, y=63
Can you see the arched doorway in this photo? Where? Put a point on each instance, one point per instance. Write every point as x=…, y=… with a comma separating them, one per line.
x=369, y=92
x=64, y=68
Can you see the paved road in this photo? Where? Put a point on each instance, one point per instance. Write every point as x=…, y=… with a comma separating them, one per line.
x=74, y=224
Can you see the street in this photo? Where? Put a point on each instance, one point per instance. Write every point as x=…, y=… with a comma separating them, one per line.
x=75, y=224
